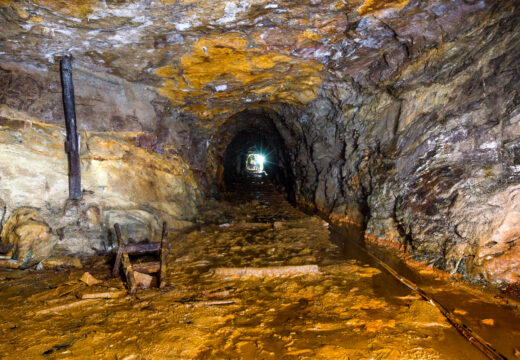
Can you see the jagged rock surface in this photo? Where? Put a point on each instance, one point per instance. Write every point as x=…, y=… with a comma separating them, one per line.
x=122, y=182
x=401, y=115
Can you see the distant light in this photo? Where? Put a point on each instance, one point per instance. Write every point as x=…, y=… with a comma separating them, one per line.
x=255, y=163
x=260, y=159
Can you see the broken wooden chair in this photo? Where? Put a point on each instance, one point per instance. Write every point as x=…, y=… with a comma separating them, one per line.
x=142, y=248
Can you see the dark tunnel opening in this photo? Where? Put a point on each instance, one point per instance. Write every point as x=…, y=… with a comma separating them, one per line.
x=257, y=154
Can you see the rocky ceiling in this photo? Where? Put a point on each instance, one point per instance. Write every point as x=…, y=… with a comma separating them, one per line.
x=216, y=57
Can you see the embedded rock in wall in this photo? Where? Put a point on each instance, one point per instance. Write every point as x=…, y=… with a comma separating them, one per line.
x=122, y=182
x=498, y=252
x=32, y=239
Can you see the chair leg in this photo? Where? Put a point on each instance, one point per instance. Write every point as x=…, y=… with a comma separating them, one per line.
x=164, y=256
x=129, y=273
x=120, y=249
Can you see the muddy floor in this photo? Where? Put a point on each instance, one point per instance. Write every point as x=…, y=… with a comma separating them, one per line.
x=257, y=280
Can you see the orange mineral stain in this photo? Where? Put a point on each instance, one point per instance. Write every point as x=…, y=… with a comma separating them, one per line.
x=228, y=62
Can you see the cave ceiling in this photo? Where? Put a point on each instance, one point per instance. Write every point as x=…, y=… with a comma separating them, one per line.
x=213, y=57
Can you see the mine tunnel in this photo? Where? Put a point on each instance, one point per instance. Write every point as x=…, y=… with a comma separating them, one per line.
x=256, y=153
x=260, y=179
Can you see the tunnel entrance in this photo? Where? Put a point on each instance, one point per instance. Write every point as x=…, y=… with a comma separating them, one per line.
x=255, y=153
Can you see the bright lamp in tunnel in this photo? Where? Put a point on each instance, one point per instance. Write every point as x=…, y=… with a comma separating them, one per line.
x=260, y=159
x=255, y=162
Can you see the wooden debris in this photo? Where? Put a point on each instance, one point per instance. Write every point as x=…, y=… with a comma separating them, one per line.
x=275, y=271
x=217, y=303
x=142, y=248
x=136, y=275
x=147, y=267
x=129, y=273
x=408, y=297
x=65, y=307
x=88, y=279
x=219, y=294
x=460, y=312
x=143, y=280
x=488, y=322
x=104, y=295
x=164, y=256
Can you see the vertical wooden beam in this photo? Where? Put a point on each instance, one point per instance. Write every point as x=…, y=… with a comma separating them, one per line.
x=120, y=248
x=72, y=143
x=164, y=256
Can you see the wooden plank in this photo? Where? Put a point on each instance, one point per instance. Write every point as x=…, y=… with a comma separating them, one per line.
x=65, y=307
x=217, y=303
x=104, y=295
x=120, y=249
x=274, y=271
x=147, y=267
x=72, y=143
x=164, y=256
x=142, y=248
x=129, y=273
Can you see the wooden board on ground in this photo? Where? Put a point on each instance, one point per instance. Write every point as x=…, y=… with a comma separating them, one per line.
x=275, y=271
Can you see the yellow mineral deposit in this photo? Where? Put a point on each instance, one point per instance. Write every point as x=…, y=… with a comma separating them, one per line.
x=76, y=8
x=371, y=6
x=225, y=67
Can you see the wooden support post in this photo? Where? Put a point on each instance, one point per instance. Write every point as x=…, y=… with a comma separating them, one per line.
x=72, y=143
x=164, y=256
x=120, y=249
x=129, y=273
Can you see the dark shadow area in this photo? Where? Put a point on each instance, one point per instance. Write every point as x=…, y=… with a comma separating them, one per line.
x=255, y=136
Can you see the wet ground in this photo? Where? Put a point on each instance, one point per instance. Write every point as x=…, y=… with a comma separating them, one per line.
x=258, y=279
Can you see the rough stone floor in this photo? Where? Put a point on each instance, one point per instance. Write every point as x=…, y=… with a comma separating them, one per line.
x=350, y=309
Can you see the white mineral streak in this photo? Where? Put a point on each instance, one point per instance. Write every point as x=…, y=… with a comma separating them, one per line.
x=231, y=11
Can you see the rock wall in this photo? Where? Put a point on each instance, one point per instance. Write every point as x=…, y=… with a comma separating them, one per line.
x=123, y=179
x=103, y=102
x=428, y=158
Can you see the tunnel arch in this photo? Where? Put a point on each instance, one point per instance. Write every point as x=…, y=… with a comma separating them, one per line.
x=253, y=130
